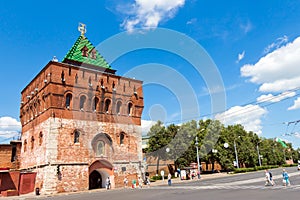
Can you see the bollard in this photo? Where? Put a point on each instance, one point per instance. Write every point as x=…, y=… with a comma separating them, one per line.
x=37, y=191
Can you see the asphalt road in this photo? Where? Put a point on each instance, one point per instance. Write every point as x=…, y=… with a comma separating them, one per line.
x=248, y=186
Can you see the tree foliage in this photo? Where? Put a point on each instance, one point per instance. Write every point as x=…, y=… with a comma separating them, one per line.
x=178, y=143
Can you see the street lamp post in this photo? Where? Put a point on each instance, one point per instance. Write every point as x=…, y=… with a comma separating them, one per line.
x=236, y=155
x=213, y=163
x=259, y=157
x=198, y=161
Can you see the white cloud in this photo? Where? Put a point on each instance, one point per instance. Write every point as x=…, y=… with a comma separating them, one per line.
x=297, y=134
x=277, y=71
x=275, y=45
x=296, y=104
x=241, y=56
x=146, y=125
x=147, y=14
x=246, y=27
x=192, y=21
x=272, y=98
x=9, y=127
x=249, y=116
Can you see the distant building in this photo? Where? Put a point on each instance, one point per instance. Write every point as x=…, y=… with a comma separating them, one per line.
x=81, y=123
x=9, y=155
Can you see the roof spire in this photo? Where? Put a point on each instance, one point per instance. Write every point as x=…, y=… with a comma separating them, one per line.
x=82, y=29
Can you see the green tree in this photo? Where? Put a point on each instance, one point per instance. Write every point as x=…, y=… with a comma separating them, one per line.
x=159, y=137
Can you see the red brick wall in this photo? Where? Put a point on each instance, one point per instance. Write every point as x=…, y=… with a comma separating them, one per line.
x=5, y=156
x=48, y=126
x=41, y=100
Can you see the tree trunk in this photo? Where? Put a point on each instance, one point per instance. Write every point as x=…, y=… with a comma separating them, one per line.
x=157, y=165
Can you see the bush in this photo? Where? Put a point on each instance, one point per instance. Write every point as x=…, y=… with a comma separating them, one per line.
x=256, y=168
x=289, y=165
x=159, y=177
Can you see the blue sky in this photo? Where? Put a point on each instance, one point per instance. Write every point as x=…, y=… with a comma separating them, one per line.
x=255, y=46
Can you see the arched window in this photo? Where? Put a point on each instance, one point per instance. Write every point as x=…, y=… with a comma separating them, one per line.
x=82, y=102
x=107, y=104
x=102, y=145
x=35, y=109
x=122, y=137
x=40, y=138
x=68, y=100
x=100, y=148
x=32, y=142
x=95, y=103
x=76, y=136
x=38, y=107
x=118, y=108
x=130, y=109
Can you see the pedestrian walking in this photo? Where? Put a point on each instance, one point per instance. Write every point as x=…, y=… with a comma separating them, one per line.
x=198, y=174
x=147, y=181
x=162, y=173
x=140, y=182
x=285, y=181
x=271, y=178
x=125, y=182
x=268, y=176
x=169, y=179
x=133, y=184
x=107, y=184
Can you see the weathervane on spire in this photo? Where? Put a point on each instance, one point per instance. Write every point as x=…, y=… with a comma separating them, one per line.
x=82, y=28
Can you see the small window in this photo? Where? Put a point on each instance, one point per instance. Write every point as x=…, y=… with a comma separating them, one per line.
x=63, y=76
x=107, y=104
x=76, y=78
x=85, y=52
x=93, y=53
x=40, y=138
x=13, y=153
x=95, y=104
x=118, y=109
x=122, y=137
x=25, y=145
x=129, y=109
x=82, y=102
x=90, y=82
x=32, y=142
x=76, y=136
x=100, y=148
x=68, y=100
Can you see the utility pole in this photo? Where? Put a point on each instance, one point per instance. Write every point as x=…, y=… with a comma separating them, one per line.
x=259, y=160
x=198, y=161
x=236, y=155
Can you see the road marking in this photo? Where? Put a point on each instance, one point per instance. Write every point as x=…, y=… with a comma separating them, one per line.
x=227, y=187
x=261, y=179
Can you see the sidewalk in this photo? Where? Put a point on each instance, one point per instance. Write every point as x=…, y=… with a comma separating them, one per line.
x=31, y=196
x=178, y=180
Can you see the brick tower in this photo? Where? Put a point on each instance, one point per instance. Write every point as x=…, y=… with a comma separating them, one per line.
x=81, y=123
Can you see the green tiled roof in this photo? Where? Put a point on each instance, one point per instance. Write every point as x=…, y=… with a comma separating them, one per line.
x=92, y=56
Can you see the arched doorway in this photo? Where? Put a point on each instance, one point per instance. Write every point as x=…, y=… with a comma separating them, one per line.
x=99, y=171
x=95, y=180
